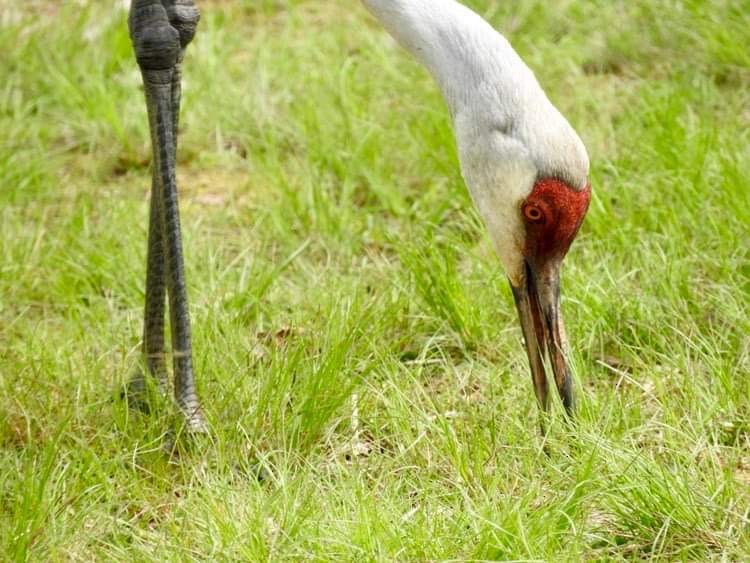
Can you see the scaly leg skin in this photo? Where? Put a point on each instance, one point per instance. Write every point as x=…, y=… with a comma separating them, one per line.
x=153, y=319
x=160, y=31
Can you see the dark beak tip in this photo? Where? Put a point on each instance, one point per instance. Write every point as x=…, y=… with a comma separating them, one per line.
x=538, y=304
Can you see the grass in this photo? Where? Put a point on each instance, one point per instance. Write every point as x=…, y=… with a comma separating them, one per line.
x=355, y=339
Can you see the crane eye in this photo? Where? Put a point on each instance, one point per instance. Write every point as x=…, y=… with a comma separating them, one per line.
x=533, y=213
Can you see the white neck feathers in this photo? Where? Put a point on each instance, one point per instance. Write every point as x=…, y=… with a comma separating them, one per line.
x=455, y=44
x=484, y=81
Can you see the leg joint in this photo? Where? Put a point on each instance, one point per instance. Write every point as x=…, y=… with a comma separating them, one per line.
x=155, y=41
x=184, y=16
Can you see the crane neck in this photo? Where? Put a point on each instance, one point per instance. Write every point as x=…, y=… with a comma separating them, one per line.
x=468, y=59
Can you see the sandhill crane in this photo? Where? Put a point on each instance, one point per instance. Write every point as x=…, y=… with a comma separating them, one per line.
x=524, y=165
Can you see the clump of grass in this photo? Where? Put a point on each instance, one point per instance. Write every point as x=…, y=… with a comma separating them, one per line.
x=434, y=269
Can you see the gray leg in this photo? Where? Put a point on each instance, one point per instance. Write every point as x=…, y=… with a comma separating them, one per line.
x=160, y=31
x=154, y=354
x=156, y=288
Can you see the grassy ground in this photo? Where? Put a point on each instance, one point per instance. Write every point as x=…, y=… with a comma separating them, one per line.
x=354, y=334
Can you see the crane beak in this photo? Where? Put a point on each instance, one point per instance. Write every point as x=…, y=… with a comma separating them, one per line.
x=538, y=303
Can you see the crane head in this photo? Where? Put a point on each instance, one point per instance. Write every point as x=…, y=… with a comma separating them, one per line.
x=530, y=184
x=551, y=216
